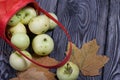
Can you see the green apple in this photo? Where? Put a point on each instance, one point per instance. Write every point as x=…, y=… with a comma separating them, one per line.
x=20, y=14
x=29, y=13
x=43, y=44
x=39, y=24
x=18, y=62
x=14, y=20
x=19, y=28
x=69, y=71
x=52, y=23
x=20, y=40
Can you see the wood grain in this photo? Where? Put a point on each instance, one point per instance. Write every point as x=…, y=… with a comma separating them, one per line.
x=85, y=20
x=112, y=69
x=6, y=71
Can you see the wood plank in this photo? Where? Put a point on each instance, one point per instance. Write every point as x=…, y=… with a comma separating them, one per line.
x=48, y=5
x=112, y=69
x=6, y=71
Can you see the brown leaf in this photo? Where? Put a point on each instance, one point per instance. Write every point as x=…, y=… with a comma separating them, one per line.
x=36, y=72
x=32, y=74
x=15, y=78
x=87, y=59
x=46, y=61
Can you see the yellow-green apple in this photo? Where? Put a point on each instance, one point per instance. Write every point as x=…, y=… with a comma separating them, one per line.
x=19, y=28
x=52, y=23
x=20, y=40
x=39, y=24
x=14, y=20
x=18, y=62
x=69, y=71
x=43, y=44
x=29, y=13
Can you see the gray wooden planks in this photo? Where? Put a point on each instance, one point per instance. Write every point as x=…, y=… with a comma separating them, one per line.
x=48, y=5
x=112, y=69
x=6, y=71
x=85, y=20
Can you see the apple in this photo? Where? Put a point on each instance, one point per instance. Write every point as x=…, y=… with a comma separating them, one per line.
x=39, y=24
x=29, y=13
x=20, y=40
x=42, y=44
x=18, y=62
x=24, y=15
x=52, y=23
x=19, y=28
x=69, y=71
x=14, y=20
x=20, y=14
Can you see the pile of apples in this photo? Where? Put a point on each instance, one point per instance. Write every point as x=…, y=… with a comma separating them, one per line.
x=18, y=26
x=42, y=44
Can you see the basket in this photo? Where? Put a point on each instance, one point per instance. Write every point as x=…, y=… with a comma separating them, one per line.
x=9, y=7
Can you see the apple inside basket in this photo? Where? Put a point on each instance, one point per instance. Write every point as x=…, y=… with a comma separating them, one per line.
x=27, y=17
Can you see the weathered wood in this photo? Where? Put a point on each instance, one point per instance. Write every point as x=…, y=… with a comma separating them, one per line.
x=112, y=69
x=6, y=71
x=85, y=20
x=48, y=5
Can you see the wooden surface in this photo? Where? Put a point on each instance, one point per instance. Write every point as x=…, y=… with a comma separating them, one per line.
x=85, y=20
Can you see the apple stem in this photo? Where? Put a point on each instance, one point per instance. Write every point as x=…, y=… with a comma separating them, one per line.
x=68, y=69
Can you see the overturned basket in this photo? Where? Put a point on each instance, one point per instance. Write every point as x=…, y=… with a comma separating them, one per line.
x=8, y=8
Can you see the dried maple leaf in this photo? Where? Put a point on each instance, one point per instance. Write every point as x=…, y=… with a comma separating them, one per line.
x=46, y=61
x=36, y=72
x=31, y=74
x=15, y=78
x=87, y=60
